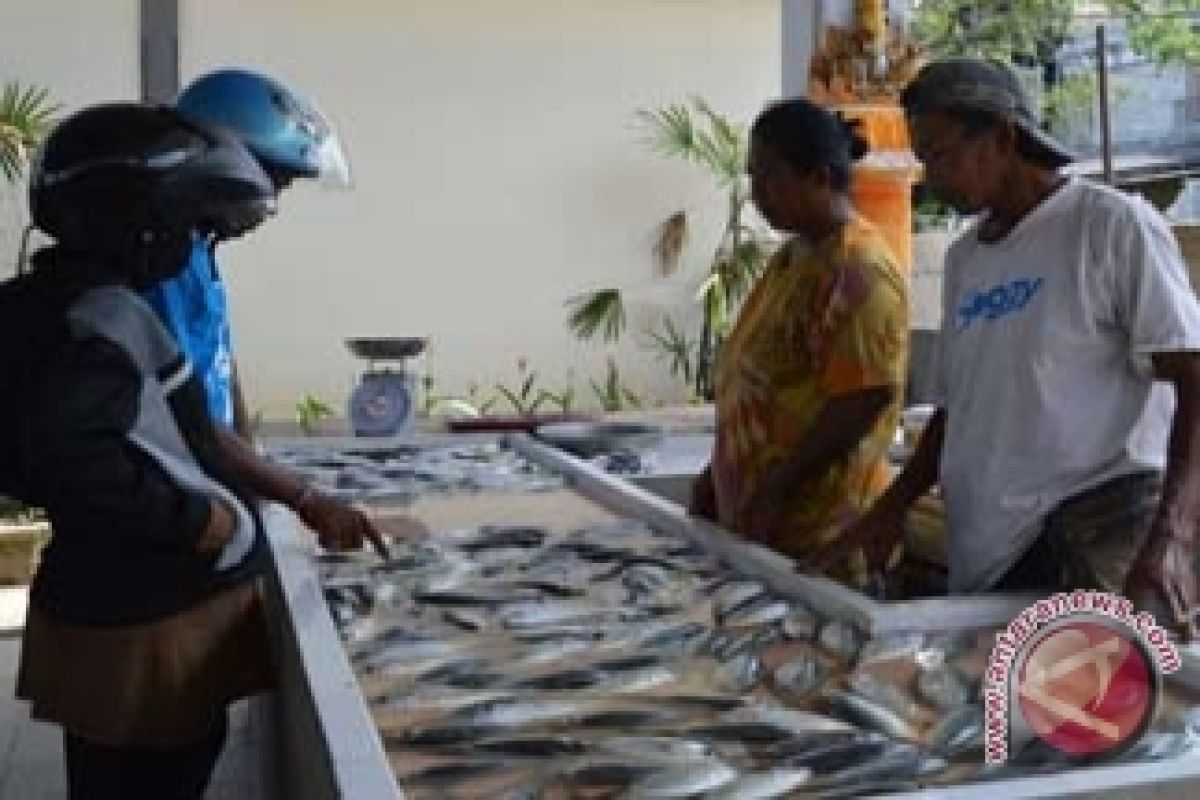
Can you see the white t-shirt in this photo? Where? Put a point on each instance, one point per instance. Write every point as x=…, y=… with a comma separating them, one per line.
x=1044, y=368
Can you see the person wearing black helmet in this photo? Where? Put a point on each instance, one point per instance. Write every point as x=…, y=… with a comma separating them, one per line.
x=144, y=619
x=290, y=139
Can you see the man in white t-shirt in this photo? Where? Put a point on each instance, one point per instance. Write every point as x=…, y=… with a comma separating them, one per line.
x=1067, y=438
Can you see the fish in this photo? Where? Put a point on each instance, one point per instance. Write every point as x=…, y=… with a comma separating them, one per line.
x=764, y=785
x=468, y=619
x=762, y=613
x=841, y=639
x=494, y=536
x=607, y=773
x=532, y=747
x=673, y=637
x=889, y=647
x=552, y=588
x=450, y=598
x=827, y=756
x=868, y=714
x=683, y=780
x=885, y=694
x=960, y=730
x=566, y=680
x=896, y=762
x=800, y=677
x=514, y=712
x=655, y=748
x=628, y=663
x=799, y=623
x=633, y=681
x=798, y=723
x=741, y=672
x=629, y=718
x=438, y=736
x=731, y=596
x=536, y=614
x=944, y=688
x=744, y=732
x=717, y=703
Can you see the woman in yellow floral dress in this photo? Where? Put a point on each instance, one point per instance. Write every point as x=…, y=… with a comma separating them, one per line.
x=810, y=382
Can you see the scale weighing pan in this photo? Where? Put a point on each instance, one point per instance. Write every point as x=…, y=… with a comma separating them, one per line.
x=387, y=348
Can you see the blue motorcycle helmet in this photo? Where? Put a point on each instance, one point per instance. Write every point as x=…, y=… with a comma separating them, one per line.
x=289, y=136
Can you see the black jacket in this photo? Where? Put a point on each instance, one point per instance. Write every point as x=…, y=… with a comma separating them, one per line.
x=103, y=425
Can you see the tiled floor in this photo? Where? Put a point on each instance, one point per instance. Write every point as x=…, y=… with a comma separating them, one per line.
x=31, y=752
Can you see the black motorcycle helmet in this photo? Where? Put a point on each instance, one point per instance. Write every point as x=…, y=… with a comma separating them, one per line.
x=132, y=184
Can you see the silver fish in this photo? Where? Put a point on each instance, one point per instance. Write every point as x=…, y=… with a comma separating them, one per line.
x=944, y=688
x=655, y=748
x=798, y=723
x=734, y=595
x=741, y=672
x=469, y=619
x=800, y=623
x=514, y=712
x=897, y=763
x=758, y=614
x=867, y=714
x=885, y=694
x=532, y=747
x=763, y=785
x=891, y=647
x=633, y=681
x=537, y=614
x=960, y=730
x=841, y=639
x=683, y=780
x=801, y=676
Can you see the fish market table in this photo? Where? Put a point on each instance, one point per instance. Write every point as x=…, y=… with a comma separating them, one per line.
x=561, y=632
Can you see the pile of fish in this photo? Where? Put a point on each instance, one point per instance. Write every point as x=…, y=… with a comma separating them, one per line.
x=619, y=661
x=402, y=473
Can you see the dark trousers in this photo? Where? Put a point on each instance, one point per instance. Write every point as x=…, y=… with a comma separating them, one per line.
x=1090, y=541
x=98, y=772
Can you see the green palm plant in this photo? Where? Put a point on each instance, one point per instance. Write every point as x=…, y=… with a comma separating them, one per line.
x=26, y=113
x=698, y=135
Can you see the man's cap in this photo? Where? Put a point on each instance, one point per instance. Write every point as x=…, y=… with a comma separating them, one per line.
x=983, y=85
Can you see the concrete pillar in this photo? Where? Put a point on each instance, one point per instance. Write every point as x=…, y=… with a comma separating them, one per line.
x=801, y=21
x=159, y=36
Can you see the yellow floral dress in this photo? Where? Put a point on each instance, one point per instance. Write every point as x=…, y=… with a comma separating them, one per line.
x=820, y=322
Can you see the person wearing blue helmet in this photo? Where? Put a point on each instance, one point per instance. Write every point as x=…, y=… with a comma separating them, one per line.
x=290, y=139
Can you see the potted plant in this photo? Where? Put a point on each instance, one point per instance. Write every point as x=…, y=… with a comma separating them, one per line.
x=694, y=133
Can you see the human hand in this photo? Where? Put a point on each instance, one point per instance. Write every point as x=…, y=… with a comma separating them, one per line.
x=877, y=532
x=338, y=525
x=1163, y=573
x=220, y=528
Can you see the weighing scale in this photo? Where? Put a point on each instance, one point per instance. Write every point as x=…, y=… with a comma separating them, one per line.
x=385, y=400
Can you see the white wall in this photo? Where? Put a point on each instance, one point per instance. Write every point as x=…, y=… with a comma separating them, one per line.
x=82, y=52
x=498, y=172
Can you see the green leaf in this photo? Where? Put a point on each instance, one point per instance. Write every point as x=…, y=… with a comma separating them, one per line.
x=603, y=310
x=26, y=115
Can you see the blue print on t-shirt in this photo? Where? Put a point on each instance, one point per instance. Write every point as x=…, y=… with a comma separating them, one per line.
x=999, y=301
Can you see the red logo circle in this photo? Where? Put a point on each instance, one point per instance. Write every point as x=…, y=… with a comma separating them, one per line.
x=1086, y=688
